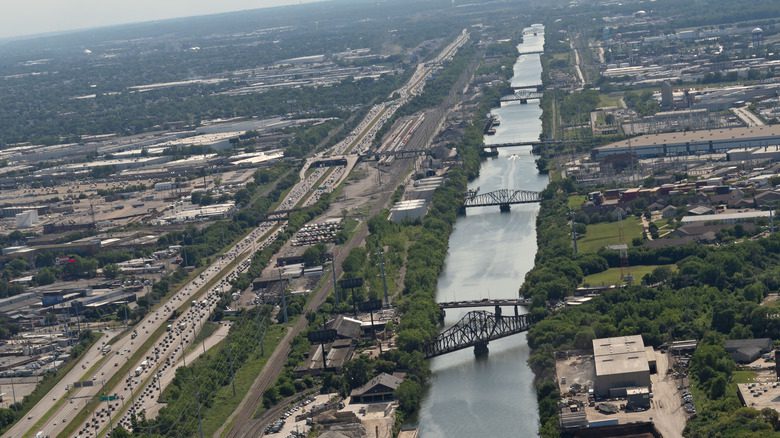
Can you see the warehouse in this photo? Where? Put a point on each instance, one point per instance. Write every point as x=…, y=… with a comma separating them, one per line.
x=747, y=350
x=621, y=363
x=706, y=141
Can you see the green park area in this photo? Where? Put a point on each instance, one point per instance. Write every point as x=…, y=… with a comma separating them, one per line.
x=600, y=235
x=612, y=275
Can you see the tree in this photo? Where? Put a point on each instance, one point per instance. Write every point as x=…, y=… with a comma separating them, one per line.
x=111, y=270
x=409, y=394
x=314, y=255
x=45, y=276
x=358, y=372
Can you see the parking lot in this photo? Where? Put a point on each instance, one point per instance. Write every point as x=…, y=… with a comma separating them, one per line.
x=286, y=425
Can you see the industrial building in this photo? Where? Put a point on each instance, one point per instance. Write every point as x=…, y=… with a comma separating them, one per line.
x=380, y=388
x=747, y=350
x=692, y=142
x=766, y=153
x=27, y=219
x=409, y=210
x=726, y=218
x=621, y=363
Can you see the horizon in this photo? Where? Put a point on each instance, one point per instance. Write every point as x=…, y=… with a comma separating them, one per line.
x=53, y=17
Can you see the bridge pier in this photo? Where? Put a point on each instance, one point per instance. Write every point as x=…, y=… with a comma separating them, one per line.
x=481, y=349
x=505, y=208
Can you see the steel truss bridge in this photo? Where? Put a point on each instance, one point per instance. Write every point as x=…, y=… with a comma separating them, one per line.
x=523, y=95
x=476, y=329
x=502, y=198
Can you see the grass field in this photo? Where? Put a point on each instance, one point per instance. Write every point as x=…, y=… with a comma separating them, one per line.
x=576, y=201
x=743, y=376
x=609, y=100
x=600, y=235
x=208, y=329
x=612, y=275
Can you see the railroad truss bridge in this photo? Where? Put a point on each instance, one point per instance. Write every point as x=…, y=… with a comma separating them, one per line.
x=476, y=329
x=503, y=198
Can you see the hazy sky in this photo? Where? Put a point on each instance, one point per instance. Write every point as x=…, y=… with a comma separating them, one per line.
x=26, y=17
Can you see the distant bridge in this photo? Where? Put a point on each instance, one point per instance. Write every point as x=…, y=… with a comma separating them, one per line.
x=523, y=95
x=485, y=303
x=278, y=215
x=535, y=144
x=476, y=329
x=502, y=198
x=402, y=154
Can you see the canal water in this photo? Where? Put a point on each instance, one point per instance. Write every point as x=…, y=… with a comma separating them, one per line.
x=489, y=255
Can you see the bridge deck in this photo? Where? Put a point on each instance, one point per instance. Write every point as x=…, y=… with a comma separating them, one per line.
x=485, y=303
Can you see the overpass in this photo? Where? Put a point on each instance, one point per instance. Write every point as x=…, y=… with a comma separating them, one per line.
x=402, y=154
x=476, y=329
x=503, y=198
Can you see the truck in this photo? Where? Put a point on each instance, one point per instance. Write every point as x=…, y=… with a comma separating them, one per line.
x=138, y=371
x=145, y=364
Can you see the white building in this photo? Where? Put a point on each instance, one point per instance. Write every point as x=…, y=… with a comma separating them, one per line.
x=27, y=219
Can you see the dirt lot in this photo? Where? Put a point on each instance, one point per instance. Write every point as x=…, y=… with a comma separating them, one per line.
x=16, y=386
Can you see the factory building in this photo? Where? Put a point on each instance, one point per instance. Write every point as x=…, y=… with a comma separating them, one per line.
x=27, y=219
x=747, y=350
x=707, y=141
x=410, y=210
x=621, y=364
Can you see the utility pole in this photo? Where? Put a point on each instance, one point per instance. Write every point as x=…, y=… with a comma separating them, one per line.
x=284, y=299
x=384, y=277
x=200, y=419
x=573, y=235
x=232, y=375
x=333, y=270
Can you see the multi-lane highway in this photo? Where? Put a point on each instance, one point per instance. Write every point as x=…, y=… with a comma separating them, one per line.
x=153, y=350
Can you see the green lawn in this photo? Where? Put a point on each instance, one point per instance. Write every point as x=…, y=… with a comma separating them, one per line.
x=609, y=100
x=600, y=235
x=612, y=275
x=743, y=376
x=208, y=329
x=576, y=201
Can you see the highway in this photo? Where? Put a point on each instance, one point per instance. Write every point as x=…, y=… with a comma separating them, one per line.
x=150, y=348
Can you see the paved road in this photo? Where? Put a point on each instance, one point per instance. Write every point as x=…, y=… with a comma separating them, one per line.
x=747, y=116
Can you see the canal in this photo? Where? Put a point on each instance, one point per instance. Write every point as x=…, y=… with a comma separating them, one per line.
x=489, y=255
